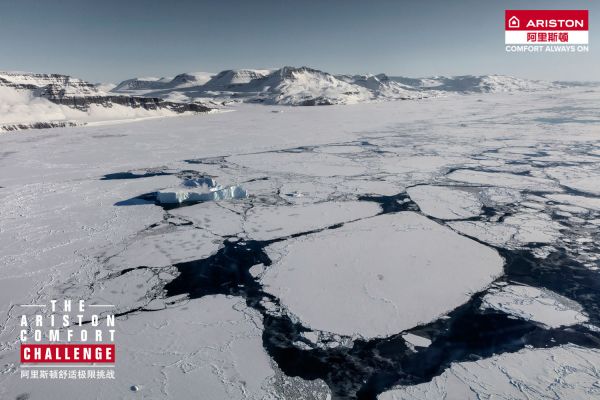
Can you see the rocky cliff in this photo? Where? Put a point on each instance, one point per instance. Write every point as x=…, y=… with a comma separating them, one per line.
x=54, y=100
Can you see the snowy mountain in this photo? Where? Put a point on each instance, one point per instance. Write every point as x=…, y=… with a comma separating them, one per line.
x=285, y=86
x=230, y=79
x=204, y=87
x=141, y=84
x=48, y=85
x=308, y=86
x=137, y=85
x=52, y=100
x=45, y=100
x=475, y=83
x=382, y=86
x=190, y=79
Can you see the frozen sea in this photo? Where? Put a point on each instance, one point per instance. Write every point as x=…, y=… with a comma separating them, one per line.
x=435, y=248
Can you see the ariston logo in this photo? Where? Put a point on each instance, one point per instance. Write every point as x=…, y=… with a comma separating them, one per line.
x=547, y=30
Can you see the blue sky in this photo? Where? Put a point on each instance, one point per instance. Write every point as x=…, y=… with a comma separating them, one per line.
x=108, y=41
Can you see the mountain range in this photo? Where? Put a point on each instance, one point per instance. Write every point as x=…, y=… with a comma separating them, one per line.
x=29, y=100
x=53, y=100
x=306, y=86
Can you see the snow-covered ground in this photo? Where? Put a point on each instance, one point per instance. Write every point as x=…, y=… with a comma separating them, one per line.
x=566, y=372
x=416, y=249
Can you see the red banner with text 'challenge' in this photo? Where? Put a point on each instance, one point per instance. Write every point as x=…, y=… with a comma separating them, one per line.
x=67, y=353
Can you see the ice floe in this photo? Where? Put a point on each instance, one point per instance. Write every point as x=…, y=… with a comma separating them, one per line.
x=535, y=304
x=503, y=179
x=303, y=192
x=445, y=202
x=164, y=247
x=423, y=166
x=415, y=340
x=213, y=217
x=383, y=270
x=500, y=195
x=265, y=223
x=566, y=372
x=591, y=203
x=363, y=186
x=515, y=231
x=584, y=179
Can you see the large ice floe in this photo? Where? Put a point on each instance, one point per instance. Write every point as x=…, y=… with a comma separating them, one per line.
x=379, y=271
x=567, y=372
x=446, y=202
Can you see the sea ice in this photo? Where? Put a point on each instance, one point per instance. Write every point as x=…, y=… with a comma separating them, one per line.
x=416, y=340
x=585, y=179
x=217, y=352
x=503, y=179
x=566, y=372
x=382, y=269
x=421, y=165
x=211, y=216
x=265, y=223
x=515, y=231
x=63, y=236
x=591, y=203
x=539, y=305
x=445, y=202
x=303, y=163
x=164, y=247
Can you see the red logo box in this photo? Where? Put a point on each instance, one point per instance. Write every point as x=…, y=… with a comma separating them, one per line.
x=67, y=353
x=546, y=20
